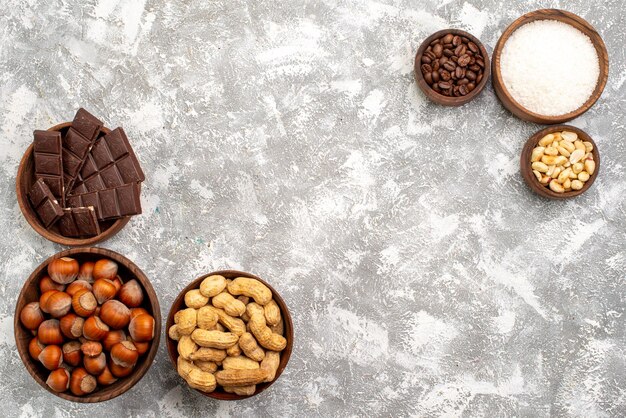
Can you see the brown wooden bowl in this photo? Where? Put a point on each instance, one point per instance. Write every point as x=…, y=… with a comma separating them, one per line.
x=30, y=293
x=527, y=172
x=566, y=17
x=24, y=181
x=440, y=98
x=179, y=304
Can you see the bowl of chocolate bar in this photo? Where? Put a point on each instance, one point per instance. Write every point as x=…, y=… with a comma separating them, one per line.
x=79, y=182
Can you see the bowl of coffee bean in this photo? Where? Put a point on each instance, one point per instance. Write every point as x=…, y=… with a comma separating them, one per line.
x=451, y=67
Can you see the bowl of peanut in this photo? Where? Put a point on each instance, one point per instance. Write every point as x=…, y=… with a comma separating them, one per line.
x=230, y=335
x=560, y=162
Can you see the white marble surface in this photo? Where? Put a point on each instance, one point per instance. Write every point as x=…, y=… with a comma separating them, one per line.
x=288, y=139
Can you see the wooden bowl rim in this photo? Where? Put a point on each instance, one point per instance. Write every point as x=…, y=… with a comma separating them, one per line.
x=126, y=383
x=566, y=17
x=33, y=220
x=440, y=98
x=530, y=178
x=288, y=324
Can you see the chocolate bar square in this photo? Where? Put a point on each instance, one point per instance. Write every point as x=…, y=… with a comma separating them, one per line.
x=112, y=203
x=48, y=161
x=79, y=222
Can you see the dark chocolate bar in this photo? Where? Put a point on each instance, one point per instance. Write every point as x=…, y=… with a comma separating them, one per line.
x=111, y=203
x=48, y=162
x=111, y=163
x=77, y=143
x=45, y=204
x=79, y=222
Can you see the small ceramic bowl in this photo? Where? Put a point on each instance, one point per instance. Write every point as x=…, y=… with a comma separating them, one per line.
x=566, y=17
x=127, y=270
x=434, y=95
x=179, y=304
x=26, y=178
x=527, y=172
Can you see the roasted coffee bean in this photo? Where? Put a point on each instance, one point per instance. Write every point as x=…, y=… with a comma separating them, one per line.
x=456, y=40
x=471, y=86
x=480, y=62
x=464, y=60
x=447, y=39
x=457, y=91
x=471, y=75
x=463, y=90
x=426, y=60
x=448, y=52
x=438, y=50
x=428, y=77
x=449, y=65
x=472, y=60
x=462, y=81
x=454, y=58
x=445, y=85
x=426, y=68
x=442, y=60
x=464, y=39
x=435, y=42
x=445, y=76
x=435, y=76
x=472, y=46
x=460, y=50
x=474, y=67
x=479, y=78
x=448, y=46
x=436, y=66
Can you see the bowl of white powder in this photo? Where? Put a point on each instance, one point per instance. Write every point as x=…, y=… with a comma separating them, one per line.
x=549, y=66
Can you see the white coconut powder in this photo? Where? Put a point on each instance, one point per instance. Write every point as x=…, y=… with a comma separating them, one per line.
x=549, y=67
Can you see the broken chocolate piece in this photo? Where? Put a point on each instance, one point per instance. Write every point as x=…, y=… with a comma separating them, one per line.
x=48, y=162
x=44, y=203
x=111, y=203
x=111, y=163
x=79, y=222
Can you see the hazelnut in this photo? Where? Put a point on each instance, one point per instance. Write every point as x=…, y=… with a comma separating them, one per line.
x=43, y=299
x=81, y=382
x=35, y=348
x=106, y=377
x=91, y=348
x=58, y=380
x=131, y=294
x=58, y=304
x=138, y=311
x=104, y=269
x=63, y=270
x=46, y=283
x=49, y=332
x=142, y=347
x=124, y=354
x=119, y=371
x=94, y=329
x=84, y=302
x=117, y=282
x=96, y=364
x=115, y=314
x=72, y=354
x=77, y=285
x=31, y=316
x=141, y=328
x=72, y=325
x=51, y=357
x=104, y=290
x=85, y=271
x=112, y=338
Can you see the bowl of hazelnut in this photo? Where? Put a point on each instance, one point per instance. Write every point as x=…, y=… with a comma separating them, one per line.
x=230, y=335
x=87, y=324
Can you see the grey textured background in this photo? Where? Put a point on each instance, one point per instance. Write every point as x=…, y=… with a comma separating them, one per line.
x=288, y=139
